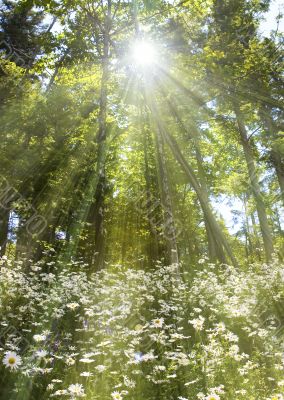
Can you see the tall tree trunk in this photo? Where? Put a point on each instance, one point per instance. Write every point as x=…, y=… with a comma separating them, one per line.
x=277, y=160
x=24, y=244
x=276, y=155
x=256, y=237
x=215, y=250
x=208, y=214
x=124, y=240
x=4, y=229
x=169, y=224
x=96, y=214
x=154, y=246
x=97, y=210
x=254, y=181
x=249, y=247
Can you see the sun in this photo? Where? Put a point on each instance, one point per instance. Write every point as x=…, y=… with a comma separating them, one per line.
x=143, y=53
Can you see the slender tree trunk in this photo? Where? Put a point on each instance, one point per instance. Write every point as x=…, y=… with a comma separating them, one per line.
x=278, y=221
x=169, y=224
x=278, y=162
x=124, y=241
x=256, y=236
x=4, y=229
x=151, y=208
x=208, y=214
x=215, y=250
x=96, y=235
x=253, y=176
x=24, y=245
x=97, y=211
x=249, y=246
x=276, y=155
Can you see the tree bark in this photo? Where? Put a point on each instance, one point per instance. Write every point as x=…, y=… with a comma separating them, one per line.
x=249, y=247
x=277, y=160
x=169, y=224
x=97, y=210
x=256, y=236
x=152, y=211
x=254, y=181
x=276, y=156
x=4, y=229
x=208, y=214
x=215, y=250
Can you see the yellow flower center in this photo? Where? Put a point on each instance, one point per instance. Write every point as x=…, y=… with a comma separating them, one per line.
x=11, y=360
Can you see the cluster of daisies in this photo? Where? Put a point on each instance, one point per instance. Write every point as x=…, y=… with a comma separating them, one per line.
x=213, y=333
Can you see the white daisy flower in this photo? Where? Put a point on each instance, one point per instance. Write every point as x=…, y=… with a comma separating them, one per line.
x=60, y=392
x=212, y=397
x=39, y=338
x=41, y=353
x=86, y=360
x=88, y=355
x=72, y=306
x=86, y=373
x=158, y=322
x=12, y=360
x=69, y=361
x=116, y=396
x=197, y=323
x=76, y=390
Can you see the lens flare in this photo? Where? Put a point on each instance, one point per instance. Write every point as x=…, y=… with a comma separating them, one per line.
x=144, y=53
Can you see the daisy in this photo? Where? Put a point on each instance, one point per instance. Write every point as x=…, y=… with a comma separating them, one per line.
x=116, y=396
x=41, y=353
x=70, y=361
x=88, y=355
x=60, y=392
x=213, y=397
x=86, y=360
x=12, y=360
x=72, y=306
x=85, y=373
x=76, y=390
x=158, y=322
x=39, y=338
x=198, y=324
